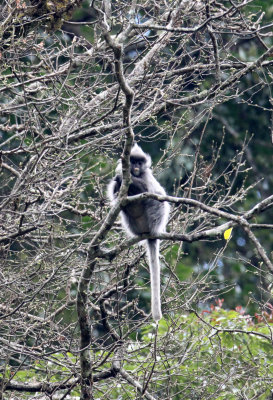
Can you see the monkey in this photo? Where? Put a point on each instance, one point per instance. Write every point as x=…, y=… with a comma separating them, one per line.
x=148, y=216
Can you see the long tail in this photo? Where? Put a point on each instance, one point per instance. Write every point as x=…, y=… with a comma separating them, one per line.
x=153, y=254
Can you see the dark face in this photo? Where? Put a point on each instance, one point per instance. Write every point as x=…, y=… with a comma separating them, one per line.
x=138, y=166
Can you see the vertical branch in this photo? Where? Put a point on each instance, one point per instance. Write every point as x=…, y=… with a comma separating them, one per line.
x=85, y=328
x=83, y=288
x=257, y=245
x=214, y=43
x=127, y=108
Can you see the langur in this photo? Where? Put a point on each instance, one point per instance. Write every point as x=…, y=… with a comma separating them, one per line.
x=147, y=216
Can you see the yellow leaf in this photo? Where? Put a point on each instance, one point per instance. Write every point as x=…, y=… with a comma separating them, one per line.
x=227, y=233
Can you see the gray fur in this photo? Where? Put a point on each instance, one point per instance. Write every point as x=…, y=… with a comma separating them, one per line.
x=147, y=216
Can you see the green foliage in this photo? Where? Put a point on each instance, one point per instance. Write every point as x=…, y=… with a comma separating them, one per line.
x=205, y=360
x=220, y=353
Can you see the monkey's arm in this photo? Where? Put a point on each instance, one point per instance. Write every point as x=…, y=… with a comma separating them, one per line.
x=117, y=183
x=113, y=187
x=137, y=186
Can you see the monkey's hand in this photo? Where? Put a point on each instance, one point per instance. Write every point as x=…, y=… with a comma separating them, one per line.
x=118, y=179
x=118, y=182
x=137, y=186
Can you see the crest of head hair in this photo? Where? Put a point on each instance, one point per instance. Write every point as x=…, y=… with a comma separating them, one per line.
x=137, y=152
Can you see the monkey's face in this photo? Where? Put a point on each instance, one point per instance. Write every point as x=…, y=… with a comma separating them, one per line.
x=138, y=166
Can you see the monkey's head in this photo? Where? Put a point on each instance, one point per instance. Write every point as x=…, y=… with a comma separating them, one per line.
x=138, y=166
x=139, y=160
